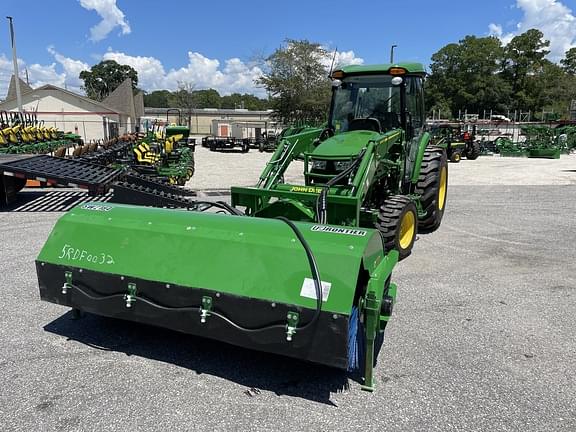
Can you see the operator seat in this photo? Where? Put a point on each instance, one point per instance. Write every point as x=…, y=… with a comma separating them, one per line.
x=389, y=121
x=368, y=123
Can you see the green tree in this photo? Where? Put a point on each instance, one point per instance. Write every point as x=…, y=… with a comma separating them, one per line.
x=104, y=77
x=254, y=103
x=524, y=60
x=479, y=74
x=553, y=89
x=209, y=98
x=569, y=61
x=244, y=101
x=466, y=76
x=157, y=99
x=298, y=82
x=232, y=101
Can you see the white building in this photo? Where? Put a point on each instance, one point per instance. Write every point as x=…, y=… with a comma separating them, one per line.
x=70, y=112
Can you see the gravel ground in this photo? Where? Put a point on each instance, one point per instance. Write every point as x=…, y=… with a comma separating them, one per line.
x=482, y=337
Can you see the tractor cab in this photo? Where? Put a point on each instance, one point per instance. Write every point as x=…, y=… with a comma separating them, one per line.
x=378, y=98
x=382, y=104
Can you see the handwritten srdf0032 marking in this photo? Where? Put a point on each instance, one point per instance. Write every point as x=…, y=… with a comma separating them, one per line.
x=71, y=253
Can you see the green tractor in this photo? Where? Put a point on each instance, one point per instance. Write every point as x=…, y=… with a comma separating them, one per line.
x=303, y=270
x=457, y=142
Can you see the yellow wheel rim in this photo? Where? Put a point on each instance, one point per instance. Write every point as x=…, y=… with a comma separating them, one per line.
x=407, y=229
x=442, y=189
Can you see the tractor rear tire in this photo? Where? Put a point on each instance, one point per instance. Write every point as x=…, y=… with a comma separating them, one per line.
x=398, y=224
x=432, y=187
x=473, y=151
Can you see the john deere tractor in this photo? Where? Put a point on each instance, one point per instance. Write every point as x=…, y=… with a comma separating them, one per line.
x=304, y=270
x=457, y=142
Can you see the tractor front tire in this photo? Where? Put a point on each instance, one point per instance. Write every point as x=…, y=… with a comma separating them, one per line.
x=432, y=187
x=398, y=224
x=456, y=157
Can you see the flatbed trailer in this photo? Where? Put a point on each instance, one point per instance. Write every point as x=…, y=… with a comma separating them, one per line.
x=216, y=143
x=128, y=187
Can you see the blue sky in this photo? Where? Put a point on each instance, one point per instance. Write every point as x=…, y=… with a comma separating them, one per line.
x=213, y=44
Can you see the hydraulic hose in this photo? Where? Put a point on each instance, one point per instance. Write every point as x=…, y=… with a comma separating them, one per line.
x=313, y=269
x=315, y=276
x=321, y=202
x=219, y=204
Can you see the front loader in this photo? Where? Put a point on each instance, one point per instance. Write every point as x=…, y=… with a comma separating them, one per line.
x=302, y=270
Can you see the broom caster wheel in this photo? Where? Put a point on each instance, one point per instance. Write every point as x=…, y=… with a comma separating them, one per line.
x=76, y=314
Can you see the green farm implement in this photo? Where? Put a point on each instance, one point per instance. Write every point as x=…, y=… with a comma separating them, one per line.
x=22, y=133
x=508, y=148
x=303, y=269
x=541, y=142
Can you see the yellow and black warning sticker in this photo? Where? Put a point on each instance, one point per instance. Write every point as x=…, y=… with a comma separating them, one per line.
x=307, y=189
x=339, y=230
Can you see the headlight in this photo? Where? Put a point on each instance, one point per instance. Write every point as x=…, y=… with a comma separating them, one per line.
x=341, y=165
x=319, y=165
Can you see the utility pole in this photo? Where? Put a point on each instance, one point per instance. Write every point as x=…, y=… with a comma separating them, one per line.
x=15, y=60
x=392, y=53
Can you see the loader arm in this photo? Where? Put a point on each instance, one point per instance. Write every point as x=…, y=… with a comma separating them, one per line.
x=289, y=149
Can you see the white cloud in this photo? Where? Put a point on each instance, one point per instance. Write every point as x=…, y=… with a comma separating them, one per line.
x=495, y=30
x=45, y=74
x=555, y=20
x=232, y=76
x=71, y=68
x=38, y=75
x=150, y=70
x=346, y=58
x=111, y=16
x=342, y=58
x=201, y=71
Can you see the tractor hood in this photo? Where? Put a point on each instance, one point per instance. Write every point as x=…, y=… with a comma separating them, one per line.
x=344, y=145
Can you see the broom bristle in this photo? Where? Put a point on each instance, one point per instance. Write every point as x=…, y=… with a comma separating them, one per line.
x=355, y=341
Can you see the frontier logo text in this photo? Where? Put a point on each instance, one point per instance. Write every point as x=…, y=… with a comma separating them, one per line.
x=334, y=230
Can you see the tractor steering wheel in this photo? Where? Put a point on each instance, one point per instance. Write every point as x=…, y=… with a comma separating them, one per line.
x=326, y=133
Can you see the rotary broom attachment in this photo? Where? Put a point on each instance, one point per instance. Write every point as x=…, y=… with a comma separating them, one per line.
x=250, y=282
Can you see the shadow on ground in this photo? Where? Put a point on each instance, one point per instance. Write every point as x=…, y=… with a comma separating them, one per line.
x=51, y=200
x=229, y=150
x=254, y=370
x=23, y=199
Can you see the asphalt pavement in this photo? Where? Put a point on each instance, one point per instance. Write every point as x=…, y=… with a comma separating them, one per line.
x=482, y=338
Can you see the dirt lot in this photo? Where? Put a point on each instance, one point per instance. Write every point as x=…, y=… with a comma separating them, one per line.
x=482, y=337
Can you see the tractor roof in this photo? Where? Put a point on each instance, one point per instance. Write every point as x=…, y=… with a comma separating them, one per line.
x=411, y=68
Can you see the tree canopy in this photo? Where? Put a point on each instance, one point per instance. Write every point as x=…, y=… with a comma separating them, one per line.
x=104, y=77
x=206, y=98
x=298, y=82
x=479, y=74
